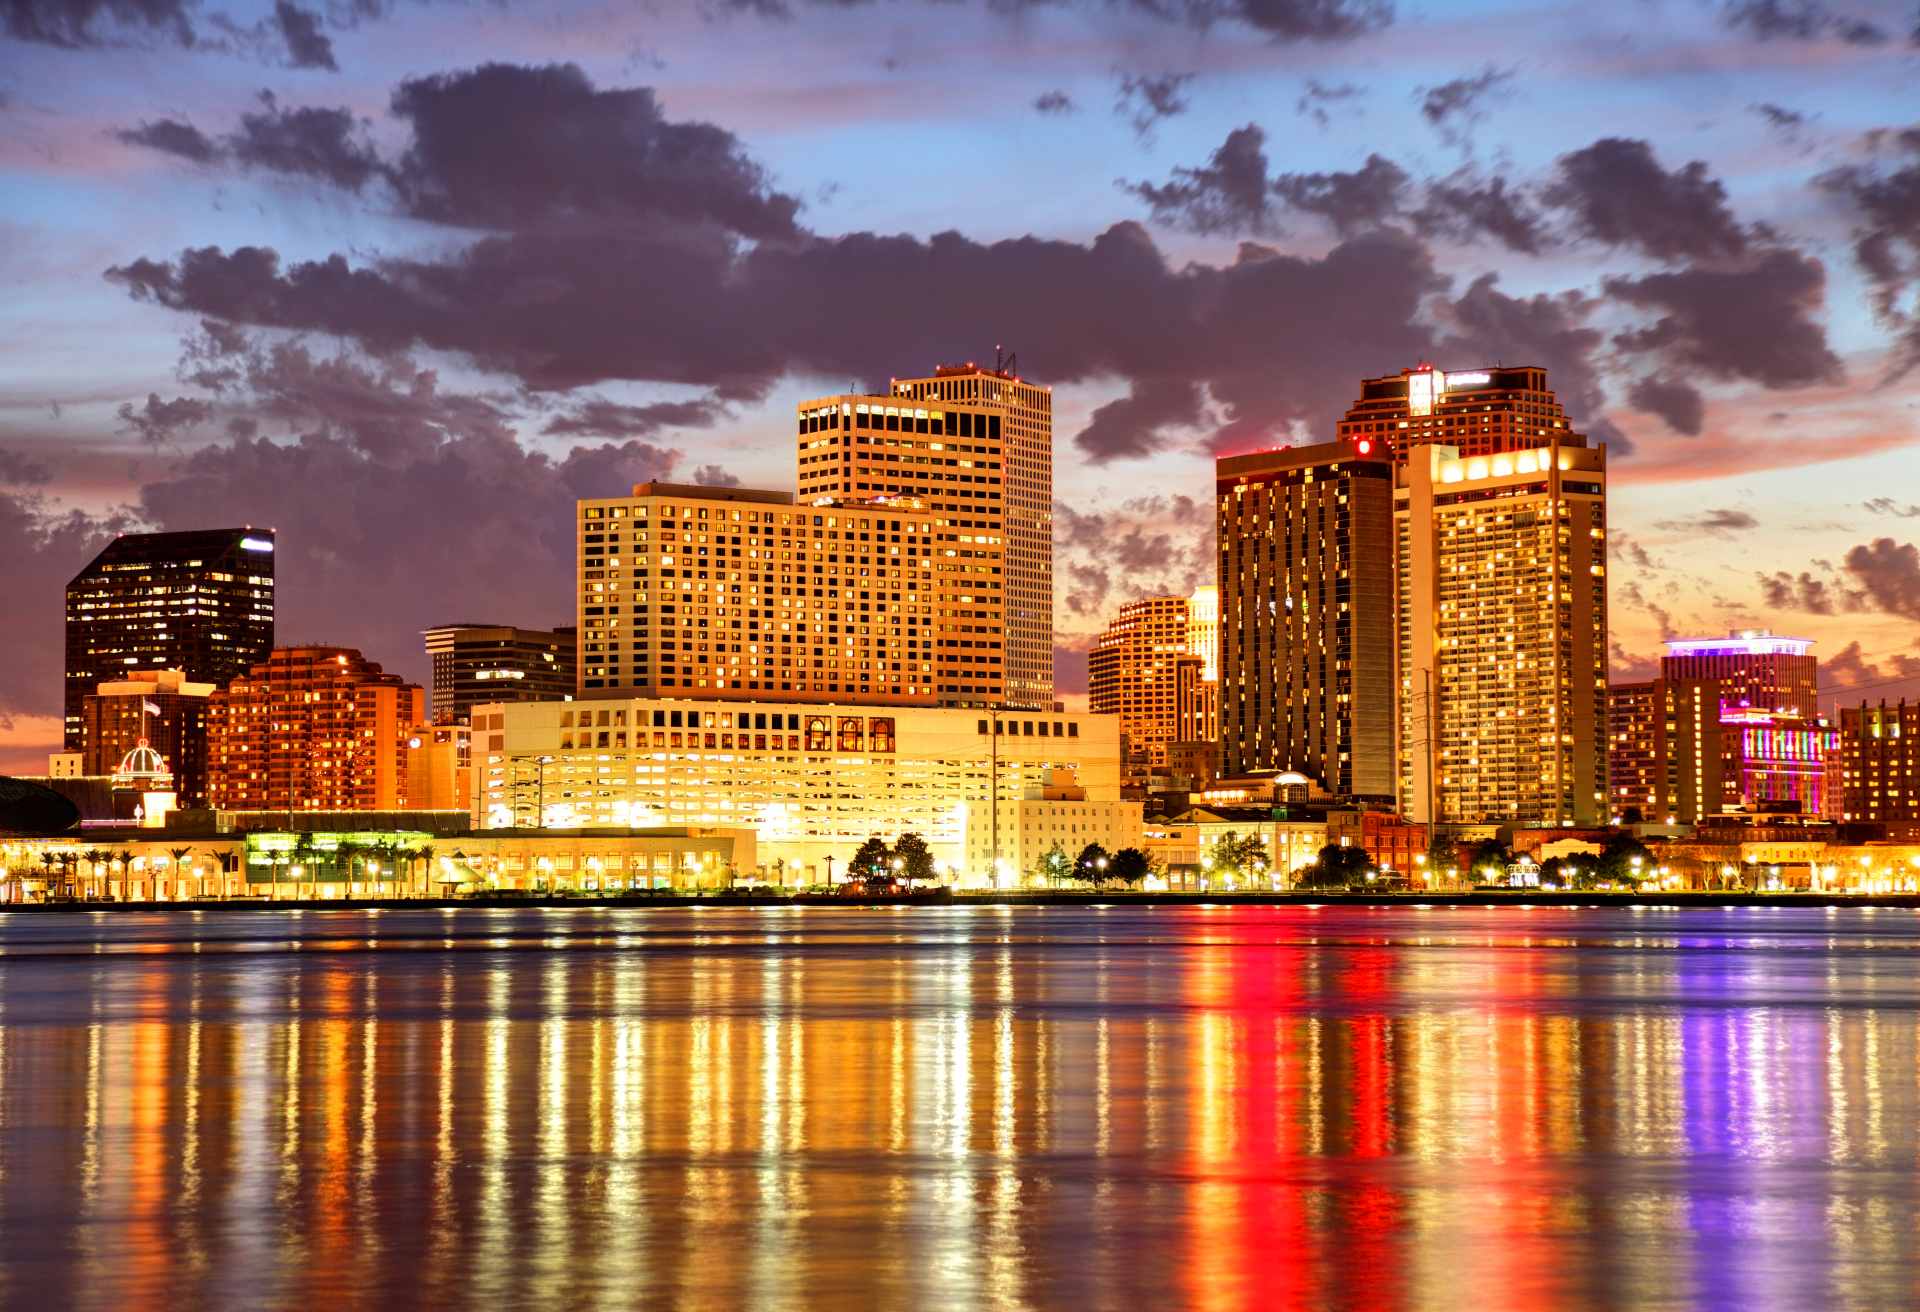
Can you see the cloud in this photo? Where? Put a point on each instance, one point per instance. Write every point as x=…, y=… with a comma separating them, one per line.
x=1885, y=205
x=1552, y=330
x=1717, y=523
x=1888, y=506
x=1465, y=207
x=1318, y=99
x=714, y=476
x=326, y=145
x=1678, y=403
x=1756, y=322
x=1147, y=99
x=84, y=24
x=1816, y=594
x=1228, y=194
x=159, y=422
x=43, y=547
x=1889, y=574
x=1617, y=193
x=172, y=137
x=307, y=45
x=1349, y=202
x=1787, y=122
x=597, y=417
x=1452, y=107
x=1053, y=102
x=1277, y=20
x=1137, y=423
x=1800, y=20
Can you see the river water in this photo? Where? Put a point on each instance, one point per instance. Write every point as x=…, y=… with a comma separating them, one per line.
x=959, y=1108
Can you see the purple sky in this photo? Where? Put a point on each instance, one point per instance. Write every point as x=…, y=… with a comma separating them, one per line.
x=403, y=280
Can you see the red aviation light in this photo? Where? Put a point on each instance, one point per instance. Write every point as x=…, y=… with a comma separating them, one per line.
x=1364, y=446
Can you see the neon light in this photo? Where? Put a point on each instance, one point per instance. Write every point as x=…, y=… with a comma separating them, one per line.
x=256, y=544
x=1455, y=381
x=1743, y=644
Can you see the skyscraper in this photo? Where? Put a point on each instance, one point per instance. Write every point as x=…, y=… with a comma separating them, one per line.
x=1752, y=668
x=975, y=446
x=1478, y=412
x=200, y=602
x=312, y=728
x=1879, y=752
x=1133, y=672
x=1305, y=539
x=475, y=663
x=1503, y=636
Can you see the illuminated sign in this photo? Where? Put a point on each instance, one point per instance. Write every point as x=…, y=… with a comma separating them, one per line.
x=1422, y=387
x=256, y=544
x=1457, y=381
x=1748, y=644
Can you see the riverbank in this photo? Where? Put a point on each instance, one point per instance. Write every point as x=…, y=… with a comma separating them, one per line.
x=1490, y=899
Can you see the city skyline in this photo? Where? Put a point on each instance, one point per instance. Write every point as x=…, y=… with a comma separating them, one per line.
x=391, y=448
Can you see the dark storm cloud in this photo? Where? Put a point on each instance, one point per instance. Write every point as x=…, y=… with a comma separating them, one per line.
x=1230, y=193
x=1674, y=400
x=598, y=417
x=1800, y=20
x=1756, y=322
x=1137, y=423
x=1349, y=202
x=172, y=137
x=1053, y=102
x=326, y=145
x=1452, y=107
x=307, y=45
x=1888, y=572
x=1145, y=99
x=1616, y=192
x=1465, y=207
x=42, y=548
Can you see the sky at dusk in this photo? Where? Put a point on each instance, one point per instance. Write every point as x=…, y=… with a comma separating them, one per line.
x=403, y=280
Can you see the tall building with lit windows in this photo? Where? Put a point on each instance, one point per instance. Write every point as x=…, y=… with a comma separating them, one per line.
x=1879, y=760
x=738, y=594
x=1135, y=672
x=1477, y=412
x=200, y=602
x=1752, y=668
x=974, y=445
x=475, y=663
x=1305, y=542
x=1503, y=635
x=312, y=728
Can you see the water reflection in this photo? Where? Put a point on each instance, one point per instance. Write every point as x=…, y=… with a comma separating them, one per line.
x=1223, y=1109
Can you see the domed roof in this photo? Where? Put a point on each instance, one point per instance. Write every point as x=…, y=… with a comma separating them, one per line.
x=143, y=766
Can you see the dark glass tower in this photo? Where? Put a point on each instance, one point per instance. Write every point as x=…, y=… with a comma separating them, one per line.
x=200, y=602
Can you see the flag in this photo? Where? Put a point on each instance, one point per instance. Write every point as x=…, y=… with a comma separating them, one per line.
x=148, y=708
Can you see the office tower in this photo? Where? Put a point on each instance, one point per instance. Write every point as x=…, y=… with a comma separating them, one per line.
x=497, y=663
x=200, y=602
x=312, y=728
x=811, y=781
x=1477, y=412
x=975, y=446
x=1305, y=541
x=1203, y=629
x=161, y=709
x=1752, y=668
x=1133, y=672
x=1503, y=636
x=1879, y=762
x=740, y=594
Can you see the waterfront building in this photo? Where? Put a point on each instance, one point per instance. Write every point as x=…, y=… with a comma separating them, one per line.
x=439, y=767
x=812, y=781
x=160, y=709
x=975, y=447
x=312, y=728
x=736, y=594
x=200, y=602
x=1752, y=668
x=1305, y=542
x=1477, y=412
x=1879, y=755
x=1503, y=636
x=1134, y=672
x=496, y=663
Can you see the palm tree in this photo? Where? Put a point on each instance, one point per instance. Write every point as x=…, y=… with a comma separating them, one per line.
x=94, y=857
x=124, y=859
x=180, y=856
x=423, y=863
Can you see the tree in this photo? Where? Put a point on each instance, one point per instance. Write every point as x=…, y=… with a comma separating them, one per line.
x=873, y=858
x=1443, y=858
x=916, y=859
x=1235, y=856
x=1092, y=864
x=1337, y=866
x=1130, y=865
x=1617, y=859
x=1488, y=852
x=1056, y=867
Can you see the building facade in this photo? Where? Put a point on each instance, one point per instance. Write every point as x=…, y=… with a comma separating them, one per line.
x=975, y=447
x=1879, y=752
x=1135, y=672
x=475, y=663
x=1305, y=542
x=312, y=728
x=727, y=593
x=1503, y=636
x=813, y=781
x=200, y=602
x=1477, y=412
x=161, y=708
x=1752, y=668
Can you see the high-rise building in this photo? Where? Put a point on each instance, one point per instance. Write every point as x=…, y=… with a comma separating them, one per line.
x=200, y=602
x=1305, y=541
x=1879, y=753
x=1203, y=630
x=1503, y=636
x=312, y=728
x=975, y=446
x=739, y=594
x=475, y=663
x=1133, y=672
x=1477, y=412
x=160, y=709
x=1752, y=668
